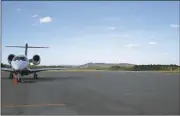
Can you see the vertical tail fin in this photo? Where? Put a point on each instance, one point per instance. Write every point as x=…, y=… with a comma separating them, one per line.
x=26, y=47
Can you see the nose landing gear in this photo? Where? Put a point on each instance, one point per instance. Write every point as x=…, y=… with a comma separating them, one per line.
x=17, y=78
x=35, y=76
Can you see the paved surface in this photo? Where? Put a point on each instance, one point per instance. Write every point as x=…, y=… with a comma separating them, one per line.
x=93, y=93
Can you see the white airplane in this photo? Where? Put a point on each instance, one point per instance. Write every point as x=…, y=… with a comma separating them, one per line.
x=20, y=64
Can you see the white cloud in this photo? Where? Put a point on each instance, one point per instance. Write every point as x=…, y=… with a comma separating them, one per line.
x=18, y=9
x=47, y=19
x=35, y=15
x=111, y=28
x=132, y=45
x=174, y=25
x=33, y=24
x=153, y=43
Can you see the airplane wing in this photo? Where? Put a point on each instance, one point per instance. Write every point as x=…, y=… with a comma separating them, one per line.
x=7, y=69
x=45, y=69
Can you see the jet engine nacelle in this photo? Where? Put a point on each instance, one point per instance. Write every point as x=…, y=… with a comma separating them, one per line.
x=36, y=59
x=10, y=58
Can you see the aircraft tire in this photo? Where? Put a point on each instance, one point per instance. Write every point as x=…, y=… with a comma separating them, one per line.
x=18, y=79
x=35, y=76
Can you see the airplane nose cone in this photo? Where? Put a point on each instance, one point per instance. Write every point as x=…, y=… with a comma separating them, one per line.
x=16, y=67
x=19, y=65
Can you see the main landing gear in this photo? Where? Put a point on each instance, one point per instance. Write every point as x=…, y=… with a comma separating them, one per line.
x=11, y=76
x=35, y=76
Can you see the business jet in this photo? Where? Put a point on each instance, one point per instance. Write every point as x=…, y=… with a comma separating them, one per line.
x=20, y=64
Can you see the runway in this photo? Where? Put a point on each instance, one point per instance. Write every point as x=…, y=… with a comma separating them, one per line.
x=92, y=93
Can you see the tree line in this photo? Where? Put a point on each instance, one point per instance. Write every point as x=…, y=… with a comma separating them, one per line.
x=151, y=67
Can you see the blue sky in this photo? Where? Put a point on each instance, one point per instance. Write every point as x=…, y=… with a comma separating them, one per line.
x=82, y=32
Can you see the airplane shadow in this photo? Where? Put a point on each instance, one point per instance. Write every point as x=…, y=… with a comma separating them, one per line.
x=47, y=79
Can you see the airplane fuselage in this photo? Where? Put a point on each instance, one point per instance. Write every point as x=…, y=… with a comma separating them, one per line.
x=20, y=64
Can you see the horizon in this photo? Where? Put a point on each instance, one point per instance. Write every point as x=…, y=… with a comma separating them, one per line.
x=102, y=32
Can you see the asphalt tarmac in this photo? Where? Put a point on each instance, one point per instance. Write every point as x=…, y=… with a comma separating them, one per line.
x=92, y=93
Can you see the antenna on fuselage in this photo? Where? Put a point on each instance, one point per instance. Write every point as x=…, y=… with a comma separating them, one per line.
x=26, y=47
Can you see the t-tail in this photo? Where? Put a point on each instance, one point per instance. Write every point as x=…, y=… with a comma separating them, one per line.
x=26, y=47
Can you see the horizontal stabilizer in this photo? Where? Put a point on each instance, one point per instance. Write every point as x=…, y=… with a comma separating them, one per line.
x=16, y=46
x=26, y=47
x=36, y=47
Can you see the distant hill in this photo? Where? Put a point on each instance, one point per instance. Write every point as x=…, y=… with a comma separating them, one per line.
x=104, y=65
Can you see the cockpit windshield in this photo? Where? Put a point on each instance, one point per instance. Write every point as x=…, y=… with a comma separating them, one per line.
x=20, y=58
x=16, y=58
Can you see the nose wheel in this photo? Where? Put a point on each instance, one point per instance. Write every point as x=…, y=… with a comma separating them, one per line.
x=35, y=76
x=17, y=78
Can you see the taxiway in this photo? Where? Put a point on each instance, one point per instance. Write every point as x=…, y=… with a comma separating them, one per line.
x=92, y=93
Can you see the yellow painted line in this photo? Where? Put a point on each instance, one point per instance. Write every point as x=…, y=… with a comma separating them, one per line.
x=31, y=105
